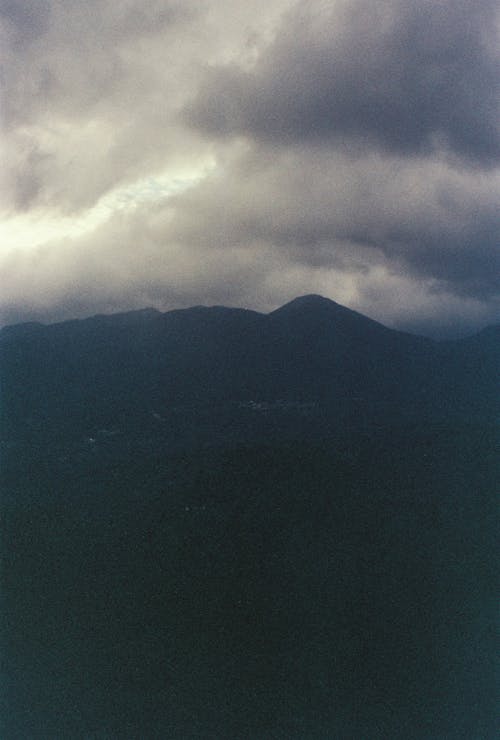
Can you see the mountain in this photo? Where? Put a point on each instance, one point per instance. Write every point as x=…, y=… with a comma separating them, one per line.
x=119, y=370
x=217, y=523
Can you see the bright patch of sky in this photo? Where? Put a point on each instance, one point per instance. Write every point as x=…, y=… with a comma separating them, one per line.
x=28, y=230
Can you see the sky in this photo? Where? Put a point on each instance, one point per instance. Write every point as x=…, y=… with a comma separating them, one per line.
x=183, y=152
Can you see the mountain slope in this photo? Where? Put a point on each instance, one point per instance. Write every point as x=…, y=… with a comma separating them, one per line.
x=118, y=370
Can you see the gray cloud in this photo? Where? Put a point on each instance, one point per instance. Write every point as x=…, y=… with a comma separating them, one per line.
x=413, y=248
x=424, y=217
x=88, y=96
x=352, y=150
x=24, y=20
x=403, y=75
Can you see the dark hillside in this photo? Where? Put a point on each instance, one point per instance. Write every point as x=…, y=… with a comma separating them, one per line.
x=118, y=371
x=282, y=592
x=220, y=524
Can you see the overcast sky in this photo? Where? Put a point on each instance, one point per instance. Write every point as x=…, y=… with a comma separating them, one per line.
x=181, y=152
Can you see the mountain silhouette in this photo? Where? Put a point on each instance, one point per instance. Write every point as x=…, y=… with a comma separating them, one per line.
x=120, y=369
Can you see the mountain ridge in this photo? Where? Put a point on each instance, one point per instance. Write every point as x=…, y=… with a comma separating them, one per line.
x=303, y=304
x=312, y=354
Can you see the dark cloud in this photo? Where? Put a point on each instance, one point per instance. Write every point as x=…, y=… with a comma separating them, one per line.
x=24, y=19
x=322, y=208
x=405, y=76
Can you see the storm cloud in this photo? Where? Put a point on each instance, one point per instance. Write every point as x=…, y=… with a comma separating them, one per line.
x=244, y=153
x=405, y=76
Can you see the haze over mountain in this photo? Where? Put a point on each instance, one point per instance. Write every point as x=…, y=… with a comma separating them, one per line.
x=225, y=524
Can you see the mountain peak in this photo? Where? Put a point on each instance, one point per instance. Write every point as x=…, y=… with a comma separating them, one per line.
x=313, y=314
x=311, y=301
